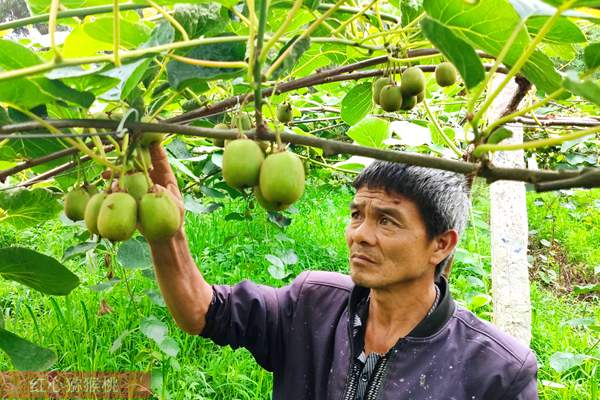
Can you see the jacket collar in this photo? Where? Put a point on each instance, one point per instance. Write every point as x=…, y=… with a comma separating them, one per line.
x=429, y=325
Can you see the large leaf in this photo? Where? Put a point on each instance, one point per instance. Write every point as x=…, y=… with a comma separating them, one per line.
x=487, y=25
x=25, y=355
x=370, y=132
x=460, y=53
x=200, y=19
x=181, y=74
x=132, y=34
x=298, y=49
x=37, y=271
x=27, y=208
x=592, y=56
x=587, y=89
x=135, y=253
x=129, y=75
x=357, y=103
x=562, y=362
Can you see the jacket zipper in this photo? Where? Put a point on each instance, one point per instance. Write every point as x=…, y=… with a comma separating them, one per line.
x=394, y=351
x=350, y=364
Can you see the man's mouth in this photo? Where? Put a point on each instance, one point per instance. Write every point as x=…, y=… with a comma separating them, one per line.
x=361, y=257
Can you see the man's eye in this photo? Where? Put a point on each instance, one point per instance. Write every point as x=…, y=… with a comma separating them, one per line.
x=354, y=214
x=385, y=221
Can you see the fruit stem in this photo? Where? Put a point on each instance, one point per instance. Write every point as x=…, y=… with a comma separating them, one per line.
x=258, y=77
x=446, y=139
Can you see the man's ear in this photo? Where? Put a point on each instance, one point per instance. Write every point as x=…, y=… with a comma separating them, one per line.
x=443, y=245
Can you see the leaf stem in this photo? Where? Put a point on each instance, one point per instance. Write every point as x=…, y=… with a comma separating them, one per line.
x=534, y=144
x=116, y=32
x=258, y=77
x=209, y=63
x=290, y=17
x=170, y=19
x=354, y=17
x=304, y=34
x=52, y=28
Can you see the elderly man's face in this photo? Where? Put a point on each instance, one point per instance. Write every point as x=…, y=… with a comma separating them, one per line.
x=388, y=241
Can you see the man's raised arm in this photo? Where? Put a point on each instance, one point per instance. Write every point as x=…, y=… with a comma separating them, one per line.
x=183, y=287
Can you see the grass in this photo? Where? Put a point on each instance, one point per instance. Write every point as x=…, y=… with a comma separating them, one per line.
x=230, y=251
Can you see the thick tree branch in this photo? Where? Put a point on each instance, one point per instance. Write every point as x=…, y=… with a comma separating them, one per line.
x=330, y=147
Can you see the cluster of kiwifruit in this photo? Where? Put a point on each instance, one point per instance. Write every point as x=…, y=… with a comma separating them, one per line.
x=411, y=90
x=276, y=176
x=115, y=212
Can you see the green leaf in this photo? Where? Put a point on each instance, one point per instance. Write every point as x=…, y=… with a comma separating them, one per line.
x=226, y=3
x=200, y=19
x=23, y=92
x=37, y=271
x=587, y=89
x=154, y=329
x=27, y=208
x=78, y=250
x=563, y=31
x=561, y=361
x=180, y=74
x=370, y=131
x=25, y=355
x=14, y=56
x=410, y=11
x=169, y=346
x=134, y=253
x=300, y=46
x=591, y=55
x=132, y=34
x=129, y=75
x=460, y=53
x=357, y=103
x=487, y=25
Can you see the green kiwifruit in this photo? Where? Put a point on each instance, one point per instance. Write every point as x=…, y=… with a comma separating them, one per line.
x=75, y=202
x=117, y=216
x=378, y=84
x=149, y=138
x=91, y=211
x=390, y=98
x=445, y=74
x=267, y=205
x=408, y=102
x=220, y=142
x=159, y=216
x=421, y=97
x=282, y=178
x=242, y=121
x=135, y=184
x=284, y=112
x=242, y=159
x=413, y=81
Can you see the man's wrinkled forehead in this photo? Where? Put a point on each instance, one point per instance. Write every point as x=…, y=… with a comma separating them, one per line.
x=376, y=195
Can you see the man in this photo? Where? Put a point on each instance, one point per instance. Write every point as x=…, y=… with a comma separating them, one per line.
x=390, y=330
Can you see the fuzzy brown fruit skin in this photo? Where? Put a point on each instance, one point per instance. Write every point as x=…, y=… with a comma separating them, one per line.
x=75, y=202
x=266, y=204
x=242, y=159
x=117, y=217
x=377, y=86
x=390, y=98
x=219, y=142
x=135, y=184
x=92, y=210
x=408, y=103
x=242, y=122
x=159, y=216
x=413, y=81
x=445, y=74
x=282, y=178
x=149, y=138
x=284, y=112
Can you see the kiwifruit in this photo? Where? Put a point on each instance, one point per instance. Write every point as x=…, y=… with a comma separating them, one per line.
x=421, y=97
x=159, y=216
x=151, y=137
x=267, y=205
x=284, y=112
x=135, y=184
x=390, y=98
x=91, y=211
x=117, y=216
x=75, y=202
x=408, y=102
x=445, y=74
x=242, y=121
x=242, y=159
x=413, y=81
x=378, y=84
x=282, y=178
x=220, y=142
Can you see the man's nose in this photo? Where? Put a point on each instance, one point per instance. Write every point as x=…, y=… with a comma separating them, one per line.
x=365, y=232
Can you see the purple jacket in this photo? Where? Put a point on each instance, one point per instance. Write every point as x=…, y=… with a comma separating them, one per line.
x=301, y=333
